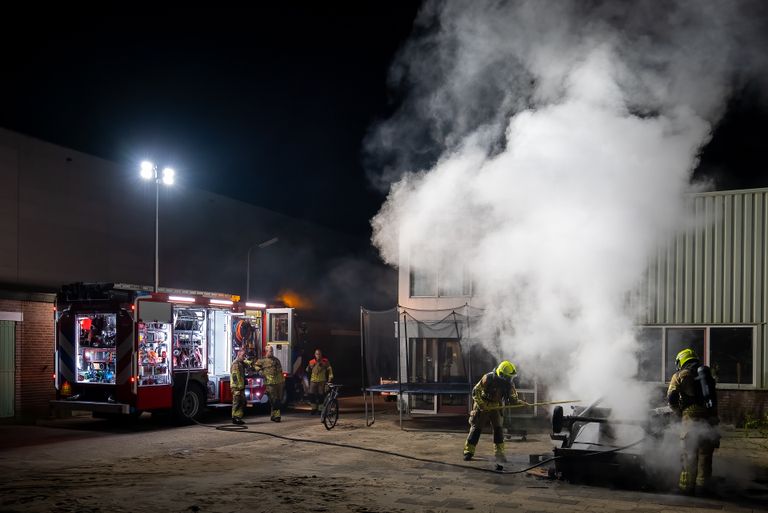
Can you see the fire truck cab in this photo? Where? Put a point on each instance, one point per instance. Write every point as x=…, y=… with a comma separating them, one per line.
x=122, y=349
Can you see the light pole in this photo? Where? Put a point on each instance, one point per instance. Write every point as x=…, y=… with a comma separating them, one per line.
x=248, y=264
x=149, y=172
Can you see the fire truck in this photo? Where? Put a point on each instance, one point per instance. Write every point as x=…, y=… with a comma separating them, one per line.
x=122, y=349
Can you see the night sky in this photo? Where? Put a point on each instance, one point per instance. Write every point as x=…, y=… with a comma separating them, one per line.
x=267, y=105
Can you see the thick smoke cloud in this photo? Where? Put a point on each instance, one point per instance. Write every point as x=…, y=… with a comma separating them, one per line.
x=543, y=150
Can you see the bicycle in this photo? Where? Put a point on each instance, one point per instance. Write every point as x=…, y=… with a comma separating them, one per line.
x=329, y=415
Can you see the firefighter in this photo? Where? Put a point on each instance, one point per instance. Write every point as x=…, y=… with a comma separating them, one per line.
x=491, y=392
x=270, y=368
x=237, y=385
x=320, y=375
x=692, y=395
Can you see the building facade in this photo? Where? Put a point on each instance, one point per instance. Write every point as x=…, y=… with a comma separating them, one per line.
x=26, y=354
x=66, y=216
x=706, y=289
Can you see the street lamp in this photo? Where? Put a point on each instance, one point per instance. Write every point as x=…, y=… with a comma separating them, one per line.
x=248, y=264
x=149, y=172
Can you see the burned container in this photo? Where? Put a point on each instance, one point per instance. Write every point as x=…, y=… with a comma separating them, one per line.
x=597, y=449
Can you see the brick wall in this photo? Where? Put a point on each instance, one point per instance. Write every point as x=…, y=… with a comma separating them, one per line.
x=34, y=357
x=734, y=405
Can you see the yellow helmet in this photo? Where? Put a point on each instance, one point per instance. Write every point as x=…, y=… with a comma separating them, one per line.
x=506, y=370
x=683, y=357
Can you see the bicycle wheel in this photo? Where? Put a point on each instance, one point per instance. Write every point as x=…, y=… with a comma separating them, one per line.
x=331, y=414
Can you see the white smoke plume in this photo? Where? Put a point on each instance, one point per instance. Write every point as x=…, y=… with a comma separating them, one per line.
x=544, y=148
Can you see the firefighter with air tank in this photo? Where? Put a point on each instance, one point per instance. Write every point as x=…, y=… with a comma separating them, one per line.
x=492, y=392
x=692, y=395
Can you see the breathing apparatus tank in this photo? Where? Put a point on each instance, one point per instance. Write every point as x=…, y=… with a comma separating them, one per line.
x=707, y=384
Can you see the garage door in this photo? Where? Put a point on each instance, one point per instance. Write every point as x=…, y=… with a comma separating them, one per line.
x=7, y=350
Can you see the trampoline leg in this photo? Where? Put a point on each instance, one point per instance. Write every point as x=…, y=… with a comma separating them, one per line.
x=373, y=411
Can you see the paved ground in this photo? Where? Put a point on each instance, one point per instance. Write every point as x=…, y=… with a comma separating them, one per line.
x=86, y=465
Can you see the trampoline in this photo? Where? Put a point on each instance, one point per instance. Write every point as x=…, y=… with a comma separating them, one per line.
x=416, y=354
x=429, y=352
x=410, y=388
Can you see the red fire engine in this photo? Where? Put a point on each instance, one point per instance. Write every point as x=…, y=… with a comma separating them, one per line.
x=122, y=349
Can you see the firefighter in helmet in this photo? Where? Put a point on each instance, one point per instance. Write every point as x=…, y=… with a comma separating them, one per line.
x=320, y=375
x=237, y=385
x=270, y=368
x=692, y=395
x=490, y=394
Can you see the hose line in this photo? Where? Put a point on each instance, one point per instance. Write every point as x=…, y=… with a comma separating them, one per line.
x=244, y=429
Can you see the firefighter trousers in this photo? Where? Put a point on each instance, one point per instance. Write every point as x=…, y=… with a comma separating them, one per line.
x=275, y=393
x=238, y=403
x=316, y=394
x=698, y=440
x=477, y=420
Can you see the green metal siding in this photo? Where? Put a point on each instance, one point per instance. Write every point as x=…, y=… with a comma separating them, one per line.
x=7, y=365
x=716, y=271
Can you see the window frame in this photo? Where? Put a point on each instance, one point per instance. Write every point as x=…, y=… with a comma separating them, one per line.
x=412, y=280
x=755, y=362
x=707, y=350
x=466, y=285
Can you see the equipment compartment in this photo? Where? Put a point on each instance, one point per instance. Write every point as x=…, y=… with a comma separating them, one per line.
x=189, y=344
x=153, y=353
x=95, y=347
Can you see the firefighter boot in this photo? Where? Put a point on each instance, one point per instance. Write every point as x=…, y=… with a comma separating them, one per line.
x=499, y=450
x=275, y=416
x=469, y=451
x=686, y=484
x=704, y=486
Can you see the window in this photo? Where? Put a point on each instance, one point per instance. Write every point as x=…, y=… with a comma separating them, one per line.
x=649, y=354
x=679, y=339
x=729, y=352
x=731, y=355
x=423, y=283
x=278, y=328
x=423, y=356
x=452, y=279
x=451, y=362
x=449, y=282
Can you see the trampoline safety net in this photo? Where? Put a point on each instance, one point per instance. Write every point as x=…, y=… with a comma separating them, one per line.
x=429, y=355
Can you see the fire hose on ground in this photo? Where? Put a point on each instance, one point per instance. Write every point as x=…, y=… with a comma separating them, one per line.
x=524, y=405
x=497, y=470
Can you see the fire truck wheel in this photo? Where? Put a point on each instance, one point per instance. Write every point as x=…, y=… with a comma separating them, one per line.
x=190, y=405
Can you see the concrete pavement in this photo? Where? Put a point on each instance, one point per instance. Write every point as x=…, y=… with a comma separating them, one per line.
x=226, y=471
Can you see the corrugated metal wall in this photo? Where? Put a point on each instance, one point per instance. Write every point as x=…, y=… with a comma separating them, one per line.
x=7, y=366
x=716, y=272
